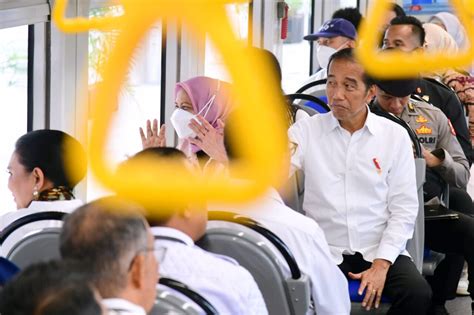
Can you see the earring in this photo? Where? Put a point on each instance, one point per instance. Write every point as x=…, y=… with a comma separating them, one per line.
x=35, y=193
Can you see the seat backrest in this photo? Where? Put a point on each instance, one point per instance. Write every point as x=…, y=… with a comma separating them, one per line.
x=315, y=88
x=168, y=303
x=40, y=243
x=175, y=297
x=416, y=245
x=38, y=246
x=306, y=97
x=283, y=294
x=292, y=192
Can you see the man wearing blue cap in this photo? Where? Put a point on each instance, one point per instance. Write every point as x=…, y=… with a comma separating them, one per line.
x=332, y=36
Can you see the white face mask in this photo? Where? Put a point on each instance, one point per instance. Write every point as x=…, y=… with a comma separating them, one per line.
x=180, y=119
x=323, y=54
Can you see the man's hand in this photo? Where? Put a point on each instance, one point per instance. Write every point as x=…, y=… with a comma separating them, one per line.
x=373, y=281
x=153, y=138
x=431, y=159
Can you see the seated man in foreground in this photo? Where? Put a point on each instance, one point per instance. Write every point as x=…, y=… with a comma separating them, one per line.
x=112, y=241
x=361, y=191
x=229, y=287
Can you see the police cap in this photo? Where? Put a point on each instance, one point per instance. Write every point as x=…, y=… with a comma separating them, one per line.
x=398, y=87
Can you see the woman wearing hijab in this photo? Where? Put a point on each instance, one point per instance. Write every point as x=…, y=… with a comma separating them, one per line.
x=201, y=103
x=450, y=23
x=439, y=41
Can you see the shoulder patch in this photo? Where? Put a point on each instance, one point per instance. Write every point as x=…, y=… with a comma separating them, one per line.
x=423, y=130
x=417, y=98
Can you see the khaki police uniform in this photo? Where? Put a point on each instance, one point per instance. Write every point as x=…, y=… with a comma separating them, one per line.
x=436, y=133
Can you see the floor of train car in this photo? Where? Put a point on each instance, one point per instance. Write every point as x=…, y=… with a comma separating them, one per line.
x=459, y=306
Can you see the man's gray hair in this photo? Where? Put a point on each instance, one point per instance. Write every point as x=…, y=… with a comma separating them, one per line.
x=105, y=236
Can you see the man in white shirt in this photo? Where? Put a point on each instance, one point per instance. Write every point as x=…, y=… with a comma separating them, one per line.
x=360, y=187
x=229, y=287
x=113, y=242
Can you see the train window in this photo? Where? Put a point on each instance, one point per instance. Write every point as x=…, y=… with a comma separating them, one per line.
x=139, y=97
x=296, y=51
x=239, y=17
x=14, y=91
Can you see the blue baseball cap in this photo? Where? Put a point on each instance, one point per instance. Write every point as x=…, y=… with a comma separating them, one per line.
x=333, y=28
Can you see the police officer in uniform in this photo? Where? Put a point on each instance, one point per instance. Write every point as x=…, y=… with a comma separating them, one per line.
x=407, y=34
x=445, y=161
x=444, y=156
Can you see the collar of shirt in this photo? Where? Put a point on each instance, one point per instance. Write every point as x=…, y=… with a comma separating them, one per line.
x=173, y=233
x=54, y=205
x=122, y=306
x=369, y=124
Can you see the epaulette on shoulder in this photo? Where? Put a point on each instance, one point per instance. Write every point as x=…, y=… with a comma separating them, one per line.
x=415, y=98
x=438, y=83
x=418, y=101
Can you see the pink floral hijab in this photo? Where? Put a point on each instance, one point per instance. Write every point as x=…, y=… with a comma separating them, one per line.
x=200, y=91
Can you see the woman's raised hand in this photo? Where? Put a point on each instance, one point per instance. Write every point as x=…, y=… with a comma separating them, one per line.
x=153, y=138
x=209, y=139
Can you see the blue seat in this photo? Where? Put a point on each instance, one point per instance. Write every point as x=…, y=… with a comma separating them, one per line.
x=356, y=300
x=317, y=106
x=354, y=295
x=7, y=270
